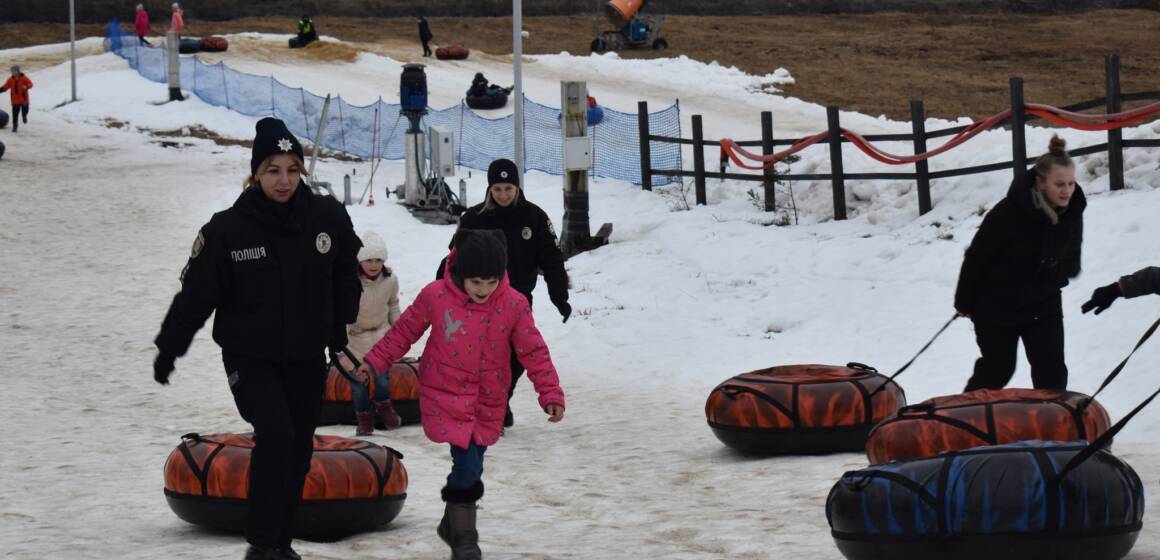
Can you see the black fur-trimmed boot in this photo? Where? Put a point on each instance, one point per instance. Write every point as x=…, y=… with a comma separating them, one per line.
x=457, y=528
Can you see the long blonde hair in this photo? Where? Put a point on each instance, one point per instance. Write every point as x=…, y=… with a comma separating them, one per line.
x=251, y=180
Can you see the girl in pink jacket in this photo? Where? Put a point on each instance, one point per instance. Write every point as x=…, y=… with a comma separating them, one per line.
x=477, y=318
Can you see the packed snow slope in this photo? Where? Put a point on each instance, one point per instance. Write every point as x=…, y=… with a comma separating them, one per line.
x=99, y=215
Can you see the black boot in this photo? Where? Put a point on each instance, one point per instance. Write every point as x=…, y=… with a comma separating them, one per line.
x=457, y=528
x=255, y=552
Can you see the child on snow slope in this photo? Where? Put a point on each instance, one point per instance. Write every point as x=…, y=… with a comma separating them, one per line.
x=378, y=310
x=465, y=371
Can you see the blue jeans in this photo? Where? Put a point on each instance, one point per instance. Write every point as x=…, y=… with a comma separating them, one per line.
x=359, y=393
x=466, y=466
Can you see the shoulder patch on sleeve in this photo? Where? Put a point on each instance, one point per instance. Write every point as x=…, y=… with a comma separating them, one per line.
x=551, y=229
x=198, y=245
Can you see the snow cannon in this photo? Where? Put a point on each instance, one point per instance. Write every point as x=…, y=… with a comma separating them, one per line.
x=633, y=29
x=1021, y=501
x=985, y=417
x=620, y=12
x=802, y=409
x=337, y=407
x=413, y=93
x=353, y=485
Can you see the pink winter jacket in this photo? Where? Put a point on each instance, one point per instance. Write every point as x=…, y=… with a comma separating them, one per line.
x=465, y=370
x=142, y=23
x=177, y=22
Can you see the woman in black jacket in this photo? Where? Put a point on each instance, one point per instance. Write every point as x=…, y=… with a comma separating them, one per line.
x=531, y=244
x=1026, y=250
x=280, y=268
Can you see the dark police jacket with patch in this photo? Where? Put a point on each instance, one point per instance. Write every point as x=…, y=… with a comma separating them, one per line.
x=1018, y=261
x=281, y=277
x=531, y=246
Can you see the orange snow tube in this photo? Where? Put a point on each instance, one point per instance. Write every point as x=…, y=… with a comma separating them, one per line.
x=337, y=407
x=353, y=485
x=985, y=417
x=802, y=409
x=214, y=44
x=453, y=52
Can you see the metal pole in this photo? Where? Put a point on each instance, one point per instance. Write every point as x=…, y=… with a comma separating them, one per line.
x=1018, y=143
x=72, y=44
x=837, y=174
x=921, y=168
x=769, y=183
x=645, y=149
x=698, y=162
x=517, y=59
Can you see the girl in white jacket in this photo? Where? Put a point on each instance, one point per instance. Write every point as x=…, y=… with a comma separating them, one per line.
x=378, y=309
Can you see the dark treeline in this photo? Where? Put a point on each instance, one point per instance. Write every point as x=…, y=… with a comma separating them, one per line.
x=96, y=11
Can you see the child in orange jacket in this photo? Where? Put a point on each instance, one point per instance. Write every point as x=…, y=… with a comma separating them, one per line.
x=19, y=84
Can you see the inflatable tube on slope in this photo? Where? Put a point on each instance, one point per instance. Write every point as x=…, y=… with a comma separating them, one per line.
x=495, y=100
x=189, y=45
x=985, y=417
x=3, y=119
x=1001, y=502
x=337, y=407
x=214, y=44
x=802, y=409
x=452, y=52
x=353, y=485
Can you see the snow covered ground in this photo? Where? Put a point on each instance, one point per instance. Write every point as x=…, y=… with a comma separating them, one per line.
x=98, y=217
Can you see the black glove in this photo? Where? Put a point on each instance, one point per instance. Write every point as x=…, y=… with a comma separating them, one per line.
x=565, y=310
x=163, y=368
x=338, y=340
x=1102, y=298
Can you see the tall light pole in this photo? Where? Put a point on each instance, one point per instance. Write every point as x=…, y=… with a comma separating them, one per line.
x=518, y=55
x=72, y=48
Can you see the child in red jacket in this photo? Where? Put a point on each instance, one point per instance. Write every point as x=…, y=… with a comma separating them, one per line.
x=19, y=84
x=477, y=319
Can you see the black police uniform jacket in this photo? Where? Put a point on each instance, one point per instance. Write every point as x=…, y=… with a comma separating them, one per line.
x=1018, y=261
x=531, y=246
x=283, y=278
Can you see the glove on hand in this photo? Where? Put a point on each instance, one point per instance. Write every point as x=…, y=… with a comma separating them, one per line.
x=1102, y=298
x=162, y=368
x=338, y=340
x=565, y=310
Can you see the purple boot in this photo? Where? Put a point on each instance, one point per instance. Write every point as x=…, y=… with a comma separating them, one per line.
x=387, y=414
x=366, y=423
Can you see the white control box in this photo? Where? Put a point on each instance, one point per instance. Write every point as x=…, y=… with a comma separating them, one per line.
x=577, y=153
x=442, y=150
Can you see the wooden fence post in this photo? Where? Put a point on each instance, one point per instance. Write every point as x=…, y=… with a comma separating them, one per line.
x=836, y=173
x=1115, y=136
x=642, y=129
x=699, y=161
x=1018, y=141
x=921, y=168
x=770, y=181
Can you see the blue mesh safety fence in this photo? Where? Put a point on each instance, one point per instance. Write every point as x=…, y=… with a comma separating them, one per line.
x=377, y=130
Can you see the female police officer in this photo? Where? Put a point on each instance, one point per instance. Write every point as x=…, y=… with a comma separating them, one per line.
x=280, y=269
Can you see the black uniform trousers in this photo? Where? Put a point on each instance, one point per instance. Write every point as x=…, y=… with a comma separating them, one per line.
x=282, y=400
x=426, y=48
x=1042, y=341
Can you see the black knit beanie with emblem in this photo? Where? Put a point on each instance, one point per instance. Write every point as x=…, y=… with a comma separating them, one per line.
x=503, y=171
x=272, y=138
x=480, y=253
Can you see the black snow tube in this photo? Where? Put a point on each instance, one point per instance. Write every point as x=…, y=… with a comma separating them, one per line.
x=189, y=45
x=494, y=100
x=3, y=119
x=1003, y=502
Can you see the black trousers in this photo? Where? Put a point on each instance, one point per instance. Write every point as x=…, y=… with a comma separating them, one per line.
x=426, y=49
x=16, y=110
x=282, y=401
x=1042, y=342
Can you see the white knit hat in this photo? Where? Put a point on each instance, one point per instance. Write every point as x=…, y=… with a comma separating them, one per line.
x=373, y=247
